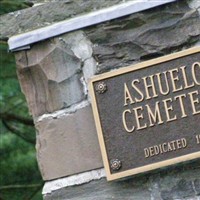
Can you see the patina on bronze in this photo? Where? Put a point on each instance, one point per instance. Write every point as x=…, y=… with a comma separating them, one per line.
x=148, y=115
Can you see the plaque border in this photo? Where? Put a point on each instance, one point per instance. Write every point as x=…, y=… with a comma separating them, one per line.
x=122, y=71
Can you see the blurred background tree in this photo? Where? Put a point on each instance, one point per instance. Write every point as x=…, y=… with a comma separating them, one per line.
x=19, y=175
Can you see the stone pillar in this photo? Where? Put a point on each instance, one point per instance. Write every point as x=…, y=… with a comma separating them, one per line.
x=54, y=76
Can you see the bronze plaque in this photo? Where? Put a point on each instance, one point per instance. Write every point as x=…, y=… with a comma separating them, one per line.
x=148, y=115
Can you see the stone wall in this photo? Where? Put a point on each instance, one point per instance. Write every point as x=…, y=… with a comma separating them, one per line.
x=54, y=77
x=49, y=12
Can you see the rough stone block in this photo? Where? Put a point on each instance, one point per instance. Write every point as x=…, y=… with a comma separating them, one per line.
x=175, y=183
x=37, y=17
x=89, y=68
x=102, y=190
x=145, y=35
x=50, y=75
x=196, y=186
x=67, y=144
x=78, y=43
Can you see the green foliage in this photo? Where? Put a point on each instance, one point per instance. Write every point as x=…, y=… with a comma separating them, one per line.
x=19, y=176
x=10, y=89
x=18, y=165
x=7, y=6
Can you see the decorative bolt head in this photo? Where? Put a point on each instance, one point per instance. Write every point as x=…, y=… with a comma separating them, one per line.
x=101, y=87
x=115, y=164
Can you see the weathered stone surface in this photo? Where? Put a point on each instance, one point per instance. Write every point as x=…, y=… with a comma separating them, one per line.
x=181, y=183
x=197, y=186
x=173, y=184
x=51, y=72
x=144, y=35
x=194, y=4
x=89, y=68
x=49, y=13
x=78, y=43
x=102, y=190
x=67, y=144
x=54, y=75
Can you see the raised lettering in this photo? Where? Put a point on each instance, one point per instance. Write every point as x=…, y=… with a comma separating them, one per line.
x=175, y=79
x=127, y=96
x=138, y=117
x=149, y=86
x=137, y=90
x=196, y=64
x=185, y=78
x=180, y=98
x=194, y=102
x=169, y=108
x=160, y=83
x=154, y=116
x=129, y=130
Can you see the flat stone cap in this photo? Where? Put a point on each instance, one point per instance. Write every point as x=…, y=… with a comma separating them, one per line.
x=23, y=41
